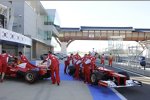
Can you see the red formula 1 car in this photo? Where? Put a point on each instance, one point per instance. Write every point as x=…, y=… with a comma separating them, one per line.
x=29, y=72
x=109, y=78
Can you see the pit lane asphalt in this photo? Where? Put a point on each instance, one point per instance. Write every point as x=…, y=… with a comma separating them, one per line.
x=69, y=89
x=12, y=89
x=44, y=90
x=133, y=93
x=15, y=89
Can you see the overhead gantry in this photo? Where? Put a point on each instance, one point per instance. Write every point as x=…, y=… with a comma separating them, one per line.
x=67, y=35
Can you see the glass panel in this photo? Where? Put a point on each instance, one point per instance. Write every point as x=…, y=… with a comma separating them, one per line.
x=116, y=31
x=109, y=31
x=49, y=35
x=91, y=31
x=125, y=31
x=48, y=20
x=128, y=34
x=103, y=31
x=135, y=34
x=147, y=35
x=85, y=33
x=61, y=35
x=79, y=34
x=97, y=33
x=128, y=31
x=141, y=34
x=67, y=34
x=73, y=34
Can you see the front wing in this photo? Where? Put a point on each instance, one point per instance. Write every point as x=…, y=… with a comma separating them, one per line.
x=129, y=83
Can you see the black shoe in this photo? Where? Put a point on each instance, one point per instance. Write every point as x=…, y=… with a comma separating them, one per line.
x=1, y=81
x=58, y=84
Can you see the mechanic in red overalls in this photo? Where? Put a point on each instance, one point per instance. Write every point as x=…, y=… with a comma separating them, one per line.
x=77, y=67
x=54, y=68
x=23, y=59
x=86, y=67
x=77, y=56
x=102, y=59
x=93, y=60
x=110, y=60
x=4, y=60
x=67, y=62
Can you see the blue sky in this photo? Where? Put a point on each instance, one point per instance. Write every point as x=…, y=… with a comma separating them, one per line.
x=100, y=13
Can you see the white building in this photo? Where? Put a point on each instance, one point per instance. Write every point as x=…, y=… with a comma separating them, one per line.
x=30, y=19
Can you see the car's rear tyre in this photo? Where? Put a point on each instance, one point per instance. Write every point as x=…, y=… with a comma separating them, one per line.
x=31, y=76
x=125, y=74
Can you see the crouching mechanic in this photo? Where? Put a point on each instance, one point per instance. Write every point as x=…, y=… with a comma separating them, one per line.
x=54, y=67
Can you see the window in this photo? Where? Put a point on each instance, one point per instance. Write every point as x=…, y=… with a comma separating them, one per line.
x=61, y=35
x=79, y=34
x=67, y=34
x=97, y=33
x=122, y=31
x=85, y=33
x=48, y=20
x=72, y=33
x=48, y=35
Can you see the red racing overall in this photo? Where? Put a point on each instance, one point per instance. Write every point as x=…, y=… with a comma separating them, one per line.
x=54, y=69
x=77, y=66
x=86, y=70
x=0, y=65
x=67, y=62
x=4, y=60
x=110, y=60
x=93, y=66
x=102, y=59
x=25, y=60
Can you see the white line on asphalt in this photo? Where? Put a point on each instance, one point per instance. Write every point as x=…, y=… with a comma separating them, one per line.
x=132, y=72
x=118, y=94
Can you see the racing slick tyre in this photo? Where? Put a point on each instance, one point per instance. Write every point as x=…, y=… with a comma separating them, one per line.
x=96, y=76
x=125, y=74
x=71, y=70
x=31, y=76
x=94, y=80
